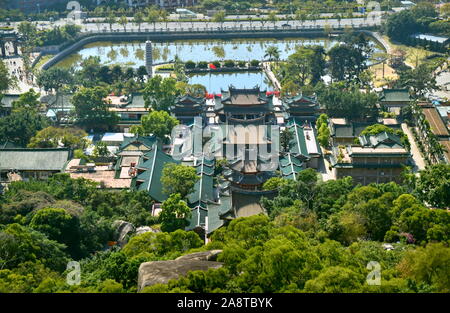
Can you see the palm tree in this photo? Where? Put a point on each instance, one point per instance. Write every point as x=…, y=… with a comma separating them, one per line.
x=110, y=19
x=273, y=53
x=272, y=17
x=153, y=17
x=123, y=21
x=139, y=19
x=250, y=19
x=219, y=17
x=164, y=16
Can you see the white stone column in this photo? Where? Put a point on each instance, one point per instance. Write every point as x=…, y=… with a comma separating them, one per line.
x=149, y=58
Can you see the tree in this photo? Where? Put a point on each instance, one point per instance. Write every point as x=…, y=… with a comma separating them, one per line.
x=421, y=79
x=153, y=17
x=179, y=179
x=139, y=19
x=445, y=10
x=162, y=245
x=318, y=64
x=351, y=103
x=299, y=65
x=273, y=53
x=429, y=265
x=60, y=226
x=158, y=123
x=274, y=183
x=21, y=244
x=401, y=25
x=335, y=279
x=20, y=126
x=285, y=139
x=27, y=101
x=92, y=110
x=323, y=135
x=6, y=80
x=123, y=21
x=219, y=17
x=110, y=19
x=90, y=71
x=174, y=214
x=160, y=94
x=100, y=150
x=53, y=137
x=346, y=62
x=28, y=33
x=272, y=17
x=433, y=185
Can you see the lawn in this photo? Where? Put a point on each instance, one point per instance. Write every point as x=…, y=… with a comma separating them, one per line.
x=414, y=55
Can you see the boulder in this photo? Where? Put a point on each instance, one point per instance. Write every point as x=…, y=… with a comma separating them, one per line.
x=123, y=228
x=146, y=229
x=160, y=272
x=210, y=255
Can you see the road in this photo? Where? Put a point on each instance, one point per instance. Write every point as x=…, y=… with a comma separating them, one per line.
x=177, y=25
x=416, y=156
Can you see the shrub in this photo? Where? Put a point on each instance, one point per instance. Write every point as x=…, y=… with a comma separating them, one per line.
x=217, y=64
x=254, y=63
x=242, y=64
x=229, y=63
x=190, y=64
x=202, y=64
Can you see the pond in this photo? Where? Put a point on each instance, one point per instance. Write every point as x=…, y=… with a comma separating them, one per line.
x=133, y=53
x=215, y=82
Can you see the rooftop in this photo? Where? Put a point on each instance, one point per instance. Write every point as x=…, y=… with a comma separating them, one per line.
x=395, y=95
x=436, y=123
x=34, y=159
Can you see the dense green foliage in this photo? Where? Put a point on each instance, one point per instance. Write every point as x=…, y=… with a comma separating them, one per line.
x=20, y=126
x=318, y=237
x=349, y=102
x=53, y=137
x=157, y=123
x=178, y=179
x=92, y=110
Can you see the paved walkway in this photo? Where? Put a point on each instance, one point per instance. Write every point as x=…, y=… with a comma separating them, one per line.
x=419, y=163
x=16, y=69
x=271, y=75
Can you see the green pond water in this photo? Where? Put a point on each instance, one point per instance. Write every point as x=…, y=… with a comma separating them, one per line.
x=215, y=82
x=132, y=54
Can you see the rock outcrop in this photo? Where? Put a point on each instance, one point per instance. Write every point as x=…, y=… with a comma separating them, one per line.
x=160, y=272
x=123, y=228
x=146, y=229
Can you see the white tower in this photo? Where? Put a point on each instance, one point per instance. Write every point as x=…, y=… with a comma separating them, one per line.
x=149, y=58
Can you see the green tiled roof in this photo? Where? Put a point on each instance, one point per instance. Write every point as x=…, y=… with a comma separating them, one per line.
x=203, y=189
x=197, y=219
x=290, y=166
x=147, y=141
x=299, y=100
x=395, y=95
x=188, y=106
x=300, y=104
x=34, y=159
x=7, y=100
x=381, y=140
x=216, y=211
x=137, y=101
x=244, y=101
x=152, y=164
x=298, y=141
